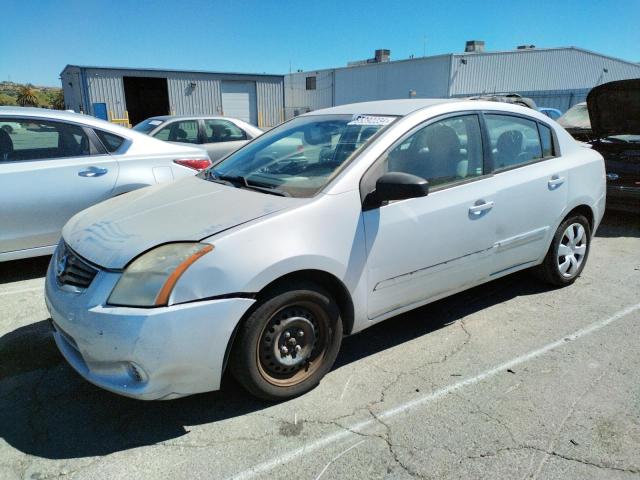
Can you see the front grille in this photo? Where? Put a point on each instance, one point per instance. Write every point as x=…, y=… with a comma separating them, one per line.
x=72, y=270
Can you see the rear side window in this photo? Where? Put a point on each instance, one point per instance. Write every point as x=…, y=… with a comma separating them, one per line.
x=32, y=139
x=223, y=131
x=110, y=141
x=185, y=131
x=546, y=138
x=514, y=140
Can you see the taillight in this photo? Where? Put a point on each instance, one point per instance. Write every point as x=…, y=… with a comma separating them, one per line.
x=194, y=163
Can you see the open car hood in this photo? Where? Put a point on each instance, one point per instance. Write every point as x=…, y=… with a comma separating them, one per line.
x=112, y=233
x=614, y=108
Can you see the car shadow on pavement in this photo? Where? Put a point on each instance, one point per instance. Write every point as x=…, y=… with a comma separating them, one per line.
x=27, y=269
x=47, y=410
x=619, y=224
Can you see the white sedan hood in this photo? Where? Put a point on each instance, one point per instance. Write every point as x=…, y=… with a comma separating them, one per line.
x=114, y=232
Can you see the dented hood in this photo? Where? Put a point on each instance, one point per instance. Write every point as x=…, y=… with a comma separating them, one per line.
x=614, y=108
x=114, y=232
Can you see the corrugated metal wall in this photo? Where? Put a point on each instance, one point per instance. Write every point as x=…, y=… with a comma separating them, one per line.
x=105, y=85
x=535, y=71
x=299, y=100
x=203, y=99
x=427, y=77
x=270, y=102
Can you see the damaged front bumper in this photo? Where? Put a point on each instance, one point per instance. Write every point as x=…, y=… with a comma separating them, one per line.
x=143, y=353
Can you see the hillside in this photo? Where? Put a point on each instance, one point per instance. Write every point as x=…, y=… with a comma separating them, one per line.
x=46, y=96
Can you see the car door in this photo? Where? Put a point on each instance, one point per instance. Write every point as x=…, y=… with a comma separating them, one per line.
x=50, y=171
x=425, y=248
x=532, y=188
x=222, y=137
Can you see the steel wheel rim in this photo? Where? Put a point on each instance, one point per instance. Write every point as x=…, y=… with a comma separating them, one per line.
x=572, y=250
x=293, y=367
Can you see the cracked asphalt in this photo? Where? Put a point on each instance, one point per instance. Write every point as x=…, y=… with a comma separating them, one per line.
x=508, y=380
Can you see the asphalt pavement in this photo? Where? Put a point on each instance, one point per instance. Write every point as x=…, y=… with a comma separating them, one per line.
x=511, y=379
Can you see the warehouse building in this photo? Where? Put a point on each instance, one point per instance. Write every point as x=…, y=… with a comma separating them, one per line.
x=552, y=77
x=131, y=95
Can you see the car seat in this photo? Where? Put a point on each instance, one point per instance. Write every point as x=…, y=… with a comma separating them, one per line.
x=509, y=147
x=218, y=133
x=177, y=135
x=6, y=145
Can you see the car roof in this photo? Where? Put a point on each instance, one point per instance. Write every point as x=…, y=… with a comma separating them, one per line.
x=400, y=107
x=48, y=114
x=190, y=117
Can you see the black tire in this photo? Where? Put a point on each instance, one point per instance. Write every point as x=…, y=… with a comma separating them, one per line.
x=550, y=270
x=257, y=360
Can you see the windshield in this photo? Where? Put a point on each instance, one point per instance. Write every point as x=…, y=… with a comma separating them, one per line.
x=576, y=117
x=148, y=125
x=299, y=157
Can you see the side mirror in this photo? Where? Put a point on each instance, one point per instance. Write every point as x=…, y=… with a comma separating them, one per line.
x=400, y=186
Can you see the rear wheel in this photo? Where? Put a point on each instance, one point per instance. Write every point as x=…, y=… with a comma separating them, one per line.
x=288, y=343
x=568, y=252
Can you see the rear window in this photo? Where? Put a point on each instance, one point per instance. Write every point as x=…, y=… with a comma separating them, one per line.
x=110, y=141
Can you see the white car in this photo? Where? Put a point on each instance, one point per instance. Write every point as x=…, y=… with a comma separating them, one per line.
x=261, y=264
x=219, y=136
x=54, y=164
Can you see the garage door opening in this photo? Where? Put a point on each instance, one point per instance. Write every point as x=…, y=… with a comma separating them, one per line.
x=146, y=97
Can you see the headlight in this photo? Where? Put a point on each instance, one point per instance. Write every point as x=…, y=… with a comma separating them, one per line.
x=149, y=280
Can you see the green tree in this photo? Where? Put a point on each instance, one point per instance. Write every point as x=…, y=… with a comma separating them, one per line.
x=27, y=96
x=58, y=100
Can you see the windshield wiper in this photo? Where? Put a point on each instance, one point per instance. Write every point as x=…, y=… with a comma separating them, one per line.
x=242, y=182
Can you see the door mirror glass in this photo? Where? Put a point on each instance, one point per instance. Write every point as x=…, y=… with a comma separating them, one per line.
x=400, y=186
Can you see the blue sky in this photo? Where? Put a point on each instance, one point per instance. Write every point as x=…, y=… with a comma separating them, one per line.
x=39, y=37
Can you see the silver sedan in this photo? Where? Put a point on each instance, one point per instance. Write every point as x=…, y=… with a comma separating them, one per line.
x=219, y=136
x=54, y=164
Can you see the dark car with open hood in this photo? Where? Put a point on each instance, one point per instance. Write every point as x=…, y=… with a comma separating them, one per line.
x=610, y=122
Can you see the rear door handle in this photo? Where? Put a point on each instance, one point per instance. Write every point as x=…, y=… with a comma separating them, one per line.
x=477, y=209
x=555, y=181
x=93, y=172
x=613, y=176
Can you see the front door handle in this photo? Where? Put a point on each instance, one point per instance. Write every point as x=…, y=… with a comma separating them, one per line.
x=93, y=172
x=555, y=182
x=612, y=176
x=479, y=207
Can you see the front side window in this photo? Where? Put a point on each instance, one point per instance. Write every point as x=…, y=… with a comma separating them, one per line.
x=514, y=140
x=32, y=139
x=184, y=131
x=299, y=157
x=217, y=130
x=444, y=152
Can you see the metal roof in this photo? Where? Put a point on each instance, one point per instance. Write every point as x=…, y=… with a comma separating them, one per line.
x=170, y=70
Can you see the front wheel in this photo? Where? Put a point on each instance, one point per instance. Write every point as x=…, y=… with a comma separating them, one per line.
x=288, y=343
x=568, y=252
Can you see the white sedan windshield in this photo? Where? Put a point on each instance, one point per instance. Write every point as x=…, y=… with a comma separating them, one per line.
x=299, y=157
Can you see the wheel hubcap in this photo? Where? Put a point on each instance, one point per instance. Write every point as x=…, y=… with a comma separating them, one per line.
x=572, y=250
x=291, y=346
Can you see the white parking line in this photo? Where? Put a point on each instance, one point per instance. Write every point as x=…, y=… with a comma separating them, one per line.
x=22, y=290
x=417, y=402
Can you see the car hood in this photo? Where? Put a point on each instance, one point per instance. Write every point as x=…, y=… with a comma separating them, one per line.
x=114, y=232
x=614, y=108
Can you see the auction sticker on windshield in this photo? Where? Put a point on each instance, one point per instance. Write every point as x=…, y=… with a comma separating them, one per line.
x=359, y=119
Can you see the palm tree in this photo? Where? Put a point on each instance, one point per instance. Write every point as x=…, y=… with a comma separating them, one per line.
x=27, y=96
x=58, y=101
